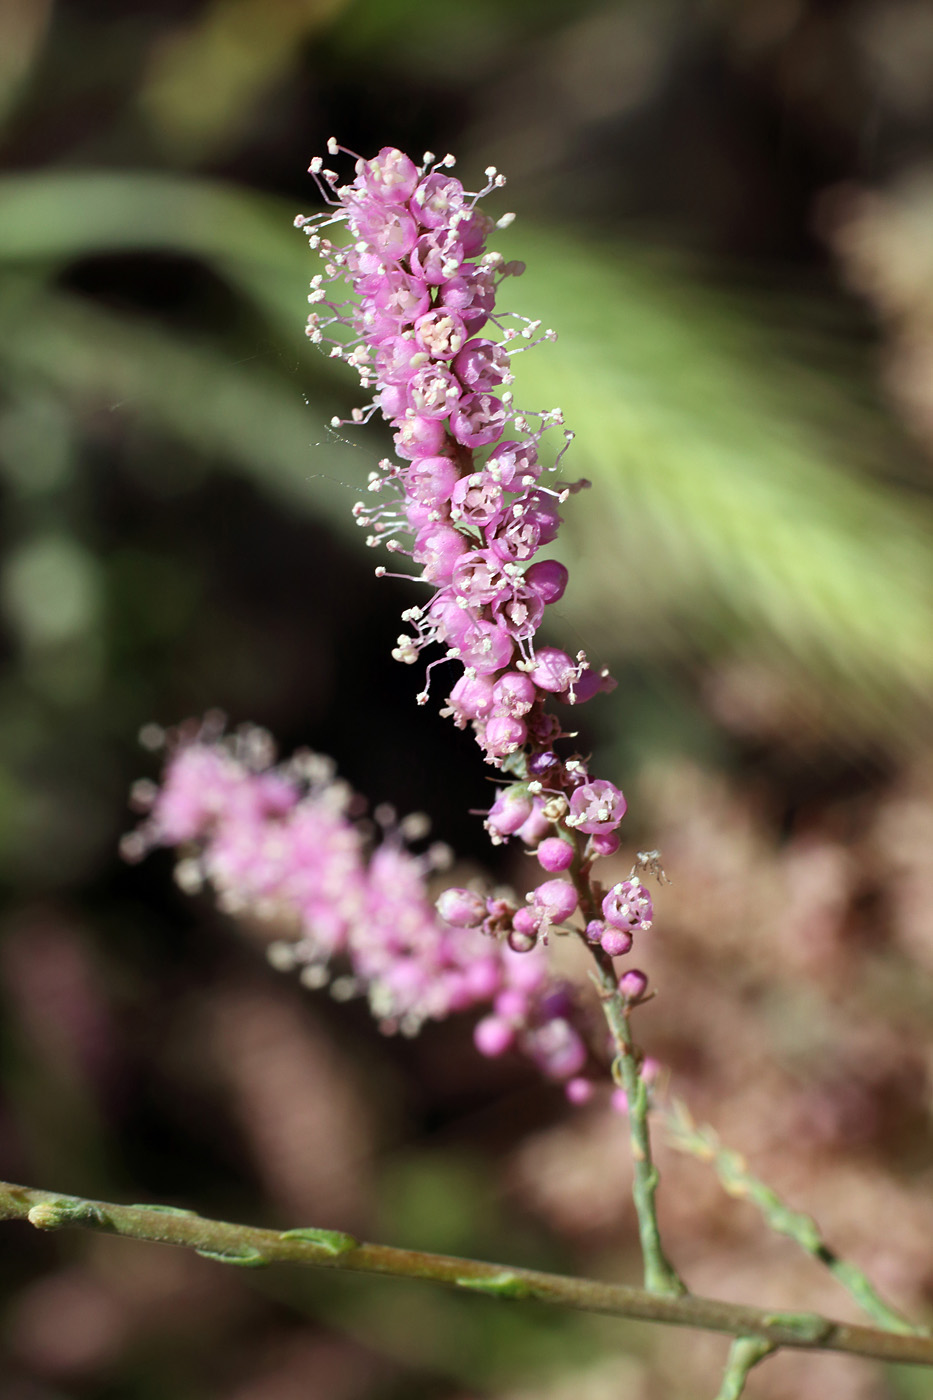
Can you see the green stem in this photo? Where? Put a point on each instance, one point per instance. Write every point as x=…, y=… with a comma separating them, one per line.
x=660, y=1274
x=248, y=1246
x=737, y=1180
x=744, y=1353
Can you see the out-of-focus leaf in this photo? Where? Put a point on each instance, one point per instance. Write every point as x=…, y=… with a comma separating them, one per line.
x=206, y=78
x=452, y=41
x=59, y=217
x=730, y=497
x=23, y=27
x=50, y=591
x=243, y=414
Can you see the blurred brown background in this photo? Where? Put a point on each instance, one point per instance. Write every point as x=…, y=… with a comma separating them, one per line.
x=727, y=212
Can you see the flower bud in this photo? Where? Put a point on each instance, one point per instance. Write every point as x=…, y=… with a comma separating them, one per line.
x=632, y=984
x=548, y=578
x=492, y=1036
x=553, y=671
x=555, y=854
x=461, y=908
x=616, y=942
x=527, y=921
x=536, y=827
x=556, y=1049
x=510, y=810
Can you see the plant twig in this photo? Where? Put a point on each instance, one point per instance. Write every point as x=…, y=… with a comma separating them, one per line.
x=660, y=1275
x=744, y=1353
x=250, y=1247
x=737, y=1180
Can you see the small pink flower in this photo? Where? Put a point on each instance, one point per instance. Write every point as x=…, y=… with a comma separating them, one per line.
x=389, y=176
x=628, y=906
x=478, y=420
x=596, y=807
x=514, y=694
x=557, y=899
x=510, y=810
x=504, y=735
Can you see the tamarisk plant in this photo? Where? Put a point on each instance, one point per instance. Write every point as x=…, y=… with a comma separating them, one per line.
x=408, y=298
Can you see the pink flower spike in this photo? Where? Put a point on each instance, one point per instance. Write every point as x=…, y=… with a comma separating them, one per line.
x=432, y=392
x=474, y=231
x=482, y=366
x=476, y=500
x=579, y=1091
x=587, y=685
x=437, y=548
x=436, y=257
x=510, y=462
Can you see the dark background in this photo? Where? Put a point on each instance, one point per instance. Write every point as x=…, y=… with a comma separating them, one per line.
x=727, y=214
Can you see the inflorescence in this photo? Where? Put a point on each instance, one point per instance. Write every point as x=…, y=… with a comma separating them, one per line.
x=290, y=844
x=467, y=503
x=408, y=299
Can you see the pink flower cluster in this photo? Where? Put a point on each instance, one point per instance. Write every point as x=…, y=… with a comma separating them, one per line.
x=468, y=494
x=287, y=843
